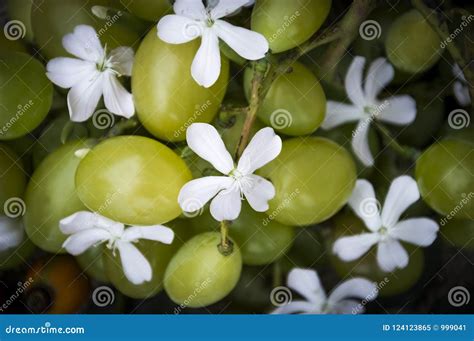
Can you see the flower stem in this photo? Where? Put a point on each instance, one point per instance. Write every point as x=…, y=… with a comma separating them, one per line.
x=404, y=151
x=225, y=247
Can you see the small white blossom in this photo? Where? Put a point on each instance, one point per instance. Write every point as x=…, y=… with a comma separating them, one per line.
x=340, y=301
x=87, y=229
x=238, y=181
x=192, y=20
x=385, y=229
x=11, y=233
x=366, y=107
x=460, y=87
x=92, y=74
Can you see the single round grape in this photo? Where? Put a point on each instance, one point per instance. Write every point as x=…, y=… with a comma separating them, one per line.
x=458, y=233
x=388, y=283
x=51, y=196
x=157, y=254
x=53, y=19
x=149, y=10
x=92, y=264
x=11, y=45
x=261, y=239
x=444, y=176
x=313, y=178
x=26, y=94
x=132, y=179
x=21, y=10
x=56, y=286
x=199, y=275
x=167, y=98
x=295, y=104
x=12, y=179
x=287, y=24
x=411, y=44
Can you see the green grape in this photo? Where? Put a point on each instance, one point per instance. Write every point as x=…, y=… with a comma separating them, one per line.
x=411, y=44
x=21, y=10
x=287, y=24
x=26, y=94
x=199, y=275
x=50, y=138
x=13, y=178
x=157, y=254
x=232, y=131
x=53, y=19
x=51, y=196
x=444, y=176
x=313, y=178
x=295, y=104
x=167, y=98
x=389, y=283
x=132, y=179
x=92, y=263
x=11, y=45
x=261, y=240
x=149, y=10
x=18, y=256
x=458, y=233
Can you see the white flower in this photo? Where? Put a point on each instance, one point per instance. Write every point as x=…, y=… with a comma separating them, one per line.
x=92, y=74
x=11, y=233
x=460, y=87
x=87, y=229
x=239, y=181
x=385, y=228
x=193, y=20
x=340, y=301
x=366, y=107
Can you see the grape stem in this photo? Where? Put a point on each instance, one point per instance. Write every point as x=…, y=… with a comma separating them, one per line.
x=404, y=151
x=225, y=247
x=122, y=126
x=441, y=28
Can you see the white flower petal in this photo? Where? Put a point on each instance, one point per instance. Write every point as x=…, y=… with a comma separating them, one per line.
x=84, y=220
x=66, y=72
x=122, y=59
x=206, y=66
x=247, y=44
x=296, y=307
x=193, y=9
x=353, y=247
x=398, y=110
x=391, y=255
x=402, y=193
x=11, y=233
x=82, y=240
x=206, y=142
x=116, y=98
x=157, y=233
x=365, y=205
x=264, y=147
x=176, y=29
x=340, y=113
x=354, y=288
x=306, y=282
x=226, y=7
x=461, y=92
x=418, y=231
x=353, y=82
x=259, y=192
x=226, y=205
x=84, y=43
x=83, y=98
x=379, y=75
x=196, y=193
x=360, y=143
x=136, y=267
